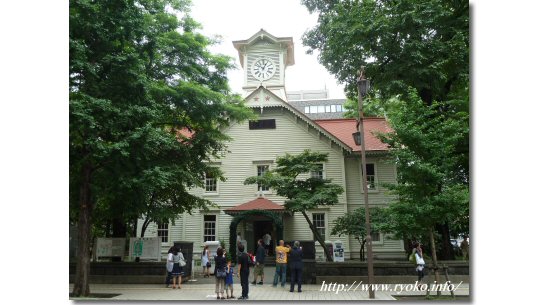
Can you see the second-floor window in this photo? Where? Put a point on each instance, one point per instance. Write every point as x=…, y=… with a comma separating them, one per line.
x=262, y=169
x=371, y=183
x=370, y=176
x=210, y=183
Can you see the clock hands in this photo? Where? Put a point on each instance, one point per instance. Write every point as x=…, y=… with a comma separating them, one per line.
x=263, y=69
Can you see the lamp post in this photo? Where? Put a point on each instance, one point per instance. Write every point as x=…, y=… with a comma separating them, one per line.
x=363, y=86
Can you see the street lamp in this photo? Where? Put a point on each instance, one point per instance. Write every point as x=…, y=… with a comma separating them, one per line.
x=358, y=137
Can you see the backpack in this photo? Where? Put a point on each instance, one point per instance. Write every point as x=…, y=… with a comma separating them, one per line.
x=249, y=258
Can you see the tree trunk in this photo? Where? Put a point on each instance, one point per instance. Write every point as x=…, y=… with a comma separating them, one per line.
x=362, y=257
x=119, y=229
x=446, y=252
x=135, y=227
x=148, y=219
x=81, y=286
x=408, y=245
x=434, y=258
x=144, y=227
x=317, y=237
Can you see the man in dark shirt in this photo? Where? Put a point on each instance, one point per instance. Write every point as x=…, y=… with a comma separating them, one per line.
x=244, y=270
x=296, y=266
x=260, y=261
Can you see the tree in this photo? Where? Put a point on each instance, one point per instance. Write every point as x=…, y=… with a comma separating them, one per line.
x=147, y=105
x=373, y=106
x=417, y=44
x=354, y=224
x=432, y=174
x=165, y=198
x=303, y=194
x=422, y=44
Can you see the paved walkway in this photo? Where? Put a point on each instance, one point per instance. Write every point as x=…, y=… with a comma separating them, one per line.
x=201, y=292
x=203, y=289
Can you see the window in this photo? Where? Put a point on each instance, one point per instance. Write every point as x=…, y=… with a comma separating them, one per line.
x=313, y=109
x=376, y=236
x=370, y=176
x=321, y=109
x=333, y=108
x=318, y=172
x=327, y=108
x=338, y=108
x=262, y=124
x=319, y=222
x=210, y=227
x=162, y=231
x=307, y=109
x=210, y=183
x=262, y=169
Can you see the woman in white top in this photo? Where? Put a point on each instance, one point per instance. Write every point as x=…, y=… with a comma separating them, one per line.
x=177, y=270
x=169, y=266
x=420, y=262
x=205, y=261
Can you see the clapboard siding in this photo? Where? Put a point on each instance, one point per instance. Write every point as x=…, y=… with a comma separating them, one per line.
x=248, y=148
x=385, y=174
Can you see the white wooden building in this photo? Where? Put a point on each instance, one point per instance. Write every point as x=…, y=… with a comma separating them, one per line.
x=281, y=129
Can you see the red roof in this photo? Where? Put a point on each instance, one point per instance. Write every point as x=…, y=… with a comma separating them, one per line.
x=257, y=204
x=343, y=129
x=186, y=133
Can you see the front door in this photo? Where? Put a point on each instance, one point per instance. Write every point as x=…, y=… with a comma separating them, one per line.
x=260, y=229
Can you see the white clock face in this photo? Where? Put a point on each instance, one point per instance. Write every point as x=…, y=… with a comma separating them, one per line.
x=263, y=69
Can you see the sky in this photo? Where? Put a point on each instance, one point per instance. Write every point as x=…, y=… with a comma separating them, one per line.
x=240, y=19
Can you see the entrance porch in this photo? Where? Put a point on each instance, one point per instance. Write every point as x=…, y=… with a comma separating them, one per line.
x=252, y=221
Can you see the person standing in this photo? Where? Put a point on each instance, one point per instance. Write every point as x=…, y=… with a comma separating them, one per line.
x=281, y=263
x=169, y=266
x=465, y=248
x=220, y=273
x=267, y=242
x=177, y=270
x=296, y=266
x=243, y=263
x=205, y=261
x=229, y=284
x=420, y=262
x=260, y=261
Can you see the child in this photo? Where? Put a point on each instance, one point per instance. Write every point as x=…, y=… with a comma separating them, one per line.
x=229, y=283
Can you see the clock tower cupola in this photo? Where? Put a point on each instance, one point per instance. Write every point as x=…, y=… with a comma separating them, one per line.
x=264, y=59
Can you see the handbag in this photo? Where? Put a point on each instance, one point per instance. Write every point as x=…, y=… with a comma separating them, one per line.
x=221, y=274
x=182, y=263
x=208, y=265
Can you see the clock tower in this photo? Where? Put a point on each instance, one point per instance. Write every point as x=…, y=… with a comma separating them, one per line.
x=264, y=59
